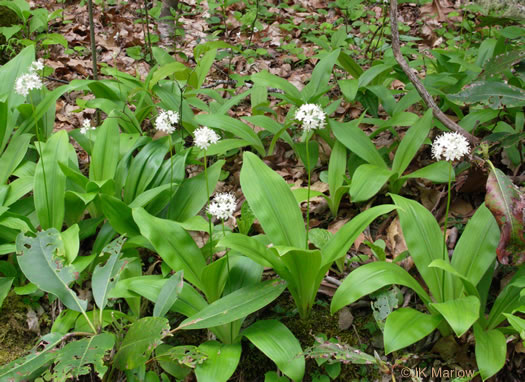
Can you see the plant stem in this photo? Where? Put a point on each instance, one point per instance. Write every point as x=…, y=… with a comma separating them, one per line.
x=208, y=204
x=171, y=166
x=308, y=191
x=254, y=21
x=39, y=150
x=445, y=252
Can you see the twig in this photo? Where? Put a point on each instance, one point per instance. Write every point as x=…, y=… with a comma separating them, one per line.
x=219, y=82
x=417, y=82
x=93, y=49
x=56, y=80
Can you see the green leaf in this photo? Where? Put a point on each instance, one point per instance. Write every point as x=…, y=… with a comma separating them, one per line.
x=349, y=64
x=50, y=189
x=29, y=367
x=411, y=142
x=506, y=202
x=491, y=351
x=106, y=276
x=349, y=88
x=105, y=156
x=495, y=94
x=371, y=277
x=336, y=168
x=304, y=278
x=40, y=262
x=233, y=126
x=370, y=74
x=509, y=299
x=268, y=196
x=141, y=339
x=367, y=181
x=13, y=69
x=71, y=242
x=144, y=167
x=119, y=215
x=406, y=326
x=350, y=135
x=476, y=249
x=341, y=242
x=191, y=194
x=321, y=75
x=13, y=156
x=264, y=78
x=173, y=244
x=280, y=345
x=436, y=172
x=168, y=294
x=221, y=361
x=250, y=247
x=424, y=241
x=78, y=357
x=236, y=305
x=5, y=287
x=313, y=154
x=460, y=313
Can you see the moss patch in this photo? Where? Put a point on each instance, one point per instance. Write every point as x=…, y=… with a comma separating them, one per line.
x=15, y=339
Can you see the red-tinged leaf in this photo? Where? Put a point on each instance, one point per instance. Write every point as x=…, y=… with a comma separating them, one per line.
x=507, y=204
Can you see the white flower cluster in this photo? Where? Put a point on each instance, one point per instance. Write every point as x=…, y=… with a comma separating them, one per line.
x=311, y=116
x=204, y=137
x=29, y=81
x=86, y=126
x=223, y=206
x=450, y=147
x=166, y=121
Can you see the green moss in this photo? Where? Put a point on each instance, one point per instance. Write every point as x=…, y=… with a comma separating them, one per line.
x=7, y=17
x=15, y=338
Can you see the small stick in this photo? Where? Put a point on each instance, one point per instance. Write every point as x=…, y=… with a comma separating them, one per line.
x=417, y=82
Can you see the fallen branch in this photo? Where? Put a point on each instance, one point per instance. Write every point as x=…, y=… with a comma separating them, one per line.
x=445, y=120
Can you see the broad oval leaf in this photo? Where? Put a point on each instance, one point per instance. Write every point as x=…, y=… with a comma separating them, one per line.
x=105, y=277
x=236, y=305
x=173, y=244
x=105, y=156
x=370, y=277
x=491, y=351
x=460, y=313
x=221, y=361
x=272, y=202
x=280, y=345
x=367, y=181
x=40, y=262
x=168, y=294
x=405, y=326
x=141, y=339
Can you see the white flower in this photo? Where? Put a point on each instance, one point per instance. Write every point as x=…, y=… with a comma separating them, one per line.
x=450, y=147
x=166, y=121
x=36, y=66
x=27, y=82
x=223, y=206
x=86, y=126
x=204, y=137
x=311, y=116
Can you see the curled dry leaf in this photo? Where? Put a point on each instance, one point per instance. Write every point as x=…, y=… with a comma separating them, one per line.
x=507, y=204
